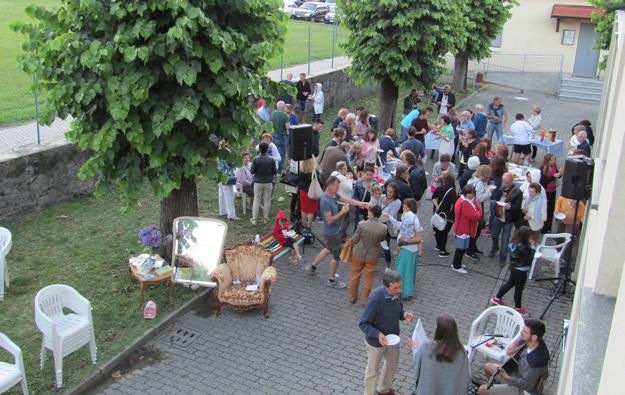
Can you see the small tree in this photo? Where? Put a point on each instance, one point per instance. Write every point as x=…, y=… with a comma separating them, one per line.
x=604, y=23
x=399, y=43
x=153, y=86
x=483, y=21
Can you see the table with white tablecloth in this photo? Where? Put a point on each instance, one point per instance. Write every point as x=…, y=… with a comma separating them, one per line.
x=553, y=147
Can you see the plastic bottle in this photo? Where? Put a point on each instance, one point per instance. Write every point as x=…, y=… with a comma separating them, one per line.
x=257, y=240
x=542, y=135
x=553, y=136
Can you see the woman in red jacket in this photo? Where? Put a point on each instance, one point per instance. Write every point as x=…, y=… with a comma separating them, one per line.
x=467, y=215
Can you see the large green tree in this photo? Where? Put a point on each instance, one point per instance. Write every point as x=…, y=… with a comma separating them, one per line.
x=604, y=23
x=399, y=43
x=153, y=86
x=483, y=20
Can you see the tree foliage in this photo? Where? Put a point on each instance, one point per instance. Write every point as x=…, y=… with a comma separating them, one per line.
x=153, y=85
x=604, y=24
x=482, y=23
x=403, y=40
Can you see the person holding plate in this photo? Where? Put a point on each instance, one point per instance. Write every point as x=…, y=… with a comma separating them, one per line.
x=380, y=325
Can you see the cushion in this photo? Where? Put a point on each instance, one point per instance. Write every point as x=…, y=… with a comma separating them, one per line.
x=236, y=295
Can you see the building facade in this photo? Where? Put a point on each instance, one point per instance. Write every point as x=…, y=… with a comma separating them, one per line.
x=552, y=28
x=592, y=362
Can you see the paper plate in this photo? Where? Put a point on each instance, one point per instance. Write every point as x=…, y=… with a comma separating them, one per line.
x=392, y=340
x=559, y=216
x=502, y=204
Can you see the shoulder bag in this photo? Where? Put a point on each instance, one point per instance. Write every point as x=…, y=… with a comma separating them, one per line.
x=314, y=191
x=439, y=220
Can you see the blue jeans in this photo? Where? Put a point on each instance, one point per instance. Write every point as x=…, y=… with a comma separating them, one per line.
x=498, y=227
x=403, y=136
x=494, y=128
x=281, y=140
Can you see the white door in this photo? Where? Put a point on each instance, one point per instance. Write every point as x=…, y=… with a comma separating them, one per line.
x=586, y=58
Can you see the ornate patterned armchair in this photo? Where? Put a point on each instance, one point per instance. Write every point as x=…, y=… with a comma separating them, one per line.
x=244, y=262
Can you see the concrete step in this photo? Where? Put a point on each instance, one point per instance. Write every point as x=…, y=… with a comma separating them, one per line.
x=584, y=81
x=581, y=85
x=575, y=98
x=580, y=92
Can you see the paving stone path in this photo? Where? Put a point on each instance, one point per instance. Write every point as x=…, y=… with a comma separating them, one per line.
x=311, y=344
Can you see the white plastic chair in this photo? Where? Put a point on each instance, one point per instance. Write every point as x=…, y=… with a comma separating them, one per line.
x=507, y=322
x=12, y=373
x=550, y=253
x=63, y=333
x=5, y=247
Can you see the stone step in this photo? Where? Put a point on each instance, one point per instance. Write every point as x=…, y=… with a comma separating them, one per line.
x=581, y=85
x=580, y=92
x=576, y=98
x=584, y=81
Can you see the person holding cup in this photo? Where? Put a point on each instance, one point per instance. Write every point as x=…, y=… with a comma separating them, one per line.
x=383, y=311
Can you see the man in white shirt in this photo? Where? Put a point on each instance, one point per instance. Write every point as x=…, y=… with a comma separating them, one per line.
x=522, y=132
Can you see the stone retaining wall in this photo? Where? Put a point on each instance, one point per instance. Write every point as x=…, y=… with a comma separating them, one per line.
x=34, y=177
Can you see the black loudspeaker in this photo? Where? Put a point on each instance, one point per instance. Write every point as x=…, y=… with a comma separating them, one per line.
x=577, y=180
x=301, y=142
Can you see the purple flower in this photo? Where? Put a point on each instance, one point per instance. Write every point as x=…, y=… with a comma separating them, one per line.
x=150, y=236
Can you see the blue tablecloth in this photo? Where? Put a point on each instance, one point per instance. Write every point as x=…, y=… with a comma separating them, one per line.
x=556, y=148
x=432, y=141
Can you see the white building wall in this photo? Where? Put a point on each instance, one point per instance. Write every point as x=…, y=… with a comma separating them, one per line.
x=531, y=30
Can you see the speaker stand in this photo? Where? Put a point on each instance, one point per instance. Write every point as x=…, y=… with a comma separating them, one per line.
x=565, y=279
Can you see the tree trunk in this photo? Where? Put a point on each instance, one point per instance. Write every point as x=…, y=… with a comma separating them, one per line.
x=388, y=104
x=461, y=67
x=181, y=203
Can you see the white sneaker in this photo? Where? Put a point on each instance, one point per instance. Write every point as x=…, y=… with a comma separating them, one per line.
x=461, y=270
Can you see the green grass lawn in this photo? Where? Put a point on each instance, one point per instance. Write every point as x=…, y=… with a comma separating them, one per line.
x=17, y=100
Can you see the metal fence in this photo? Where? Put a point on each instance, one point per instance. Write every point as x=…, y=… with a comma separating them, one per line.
x=310, y=47
x=539, y=73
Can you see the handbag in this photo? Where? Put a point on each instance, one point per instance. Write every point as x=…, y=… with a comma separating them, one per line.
x=462, y=242
x=289, y=178
x=314, y=190
x=346, y=252
x=439, y=220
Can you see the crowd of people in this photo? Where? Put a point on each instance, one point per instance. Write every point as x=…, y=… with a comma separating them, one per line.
x=367, y=188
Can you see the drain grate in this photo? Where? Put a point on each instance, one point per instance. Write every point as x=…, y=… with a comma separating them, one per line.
x=182, y=337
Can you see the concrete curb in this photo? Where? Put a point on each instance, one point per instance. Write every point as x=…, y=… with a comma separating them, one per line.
x=477, y=90
x=104, y=372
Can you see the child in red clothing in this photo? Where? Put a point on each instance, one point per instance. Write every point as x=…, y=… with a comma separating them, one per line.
x=280, y=231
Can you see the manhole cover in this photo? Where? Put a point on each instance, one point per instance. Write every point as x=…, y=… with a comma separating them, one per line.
x=182, y=337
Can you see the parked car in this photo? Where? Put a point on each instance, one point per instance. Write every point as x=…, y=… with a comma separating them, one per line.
x=311, y=11
x=331, y=15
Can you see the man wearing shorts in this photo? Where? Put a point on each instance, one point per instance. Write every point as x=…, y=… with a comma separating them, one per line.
x=522, y=132
x=529, y=371
x=331, y=216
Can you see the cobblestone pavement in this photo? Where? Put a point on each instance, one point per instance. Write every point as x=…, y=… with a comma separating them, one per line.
x=311, y=343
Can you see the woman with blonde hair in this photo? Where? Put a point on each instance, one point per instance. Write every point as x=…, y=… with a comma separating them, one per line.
x=308, y=207
x=356, y=157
